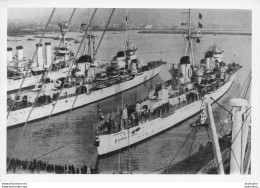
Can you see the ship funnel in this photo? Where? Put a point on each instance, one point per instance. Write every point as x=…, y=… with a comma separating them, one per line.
x=239, y=135
x=19, y=53
x=48, y=54
x=39, y=55
x=223, y=70
x=217, y=53
x=185, y=71
x=217, y=49
x=9, y=54
x=208, y=65
x=199, y=73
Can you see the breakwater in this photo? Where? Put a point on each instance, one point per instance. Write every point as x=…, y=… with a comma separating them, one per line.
x=209, y=32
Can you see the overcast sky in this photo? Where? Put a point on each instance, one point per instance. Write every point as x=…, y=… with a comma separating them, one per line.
x=165, y=16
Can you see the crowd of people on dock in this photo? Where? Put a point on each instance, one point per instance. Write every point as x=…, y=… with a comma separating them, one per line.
x=39, y=166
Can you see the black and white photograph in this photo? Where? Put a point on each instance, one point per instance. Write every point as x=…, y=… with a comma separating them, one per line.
x=128, y=91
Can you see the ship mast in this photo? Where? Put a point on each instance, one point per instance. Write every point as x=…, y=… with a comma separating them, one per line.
x=86, y=41
x=126, y=43
x=126, y=34
x=63, y=29
x=126, y=48
x=93, y=47
x=189, y=48
x=89, y=40
x=189, y=27
x=89, y=44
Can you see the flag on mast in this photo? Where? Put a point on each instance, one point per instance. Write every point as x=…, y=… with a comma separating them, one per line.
x=200, y=25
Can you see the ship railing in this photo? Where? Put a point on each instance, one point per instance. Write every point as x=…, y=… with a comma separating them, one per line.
x=166, y=111
x=115, y=128
x=145, y=116
x=210, y=165
x=21, y=105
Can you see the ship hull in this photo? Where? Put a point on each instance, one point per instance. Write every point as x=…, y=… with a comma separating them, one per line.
x=18, y=117
x=13, y=85
x=122, y=139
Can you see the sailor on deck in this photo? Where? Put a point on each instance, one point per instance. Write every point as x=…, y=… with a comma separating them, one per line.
x=138, y=110
x=124, y=117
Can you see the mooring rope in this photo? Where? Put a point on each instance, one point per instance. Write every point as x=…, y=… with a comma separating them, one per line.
x=220, y=105
x=234, y=139
x=46, y=124
x=55, y=150
x=136, y=167
x=222, y=126
x=80, y=86
x=247, y=79
x=93, y=58
x=37, y=98
x=195, y=131
x=70, y=71
x=248, y=85
x=210, y=152
x=173, y=157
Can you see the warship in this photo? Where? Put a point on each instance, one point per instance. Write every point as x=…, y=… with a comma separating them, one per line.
x=18, y=65
x=169, y=103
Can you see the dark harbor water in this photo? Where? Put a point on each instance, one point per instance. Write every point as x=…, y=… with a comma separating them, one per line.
x=76, y=140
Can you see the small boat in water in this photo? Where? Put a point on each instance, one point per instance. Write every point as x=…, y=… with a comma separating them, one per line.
x=199, y=124
x=31, y=39
x=13, y=40
x=76, y=41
